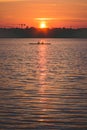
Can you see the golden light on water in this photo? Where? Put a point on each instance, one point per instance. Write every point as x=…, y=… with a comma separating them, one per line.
x=42, y=64
x=42, y=80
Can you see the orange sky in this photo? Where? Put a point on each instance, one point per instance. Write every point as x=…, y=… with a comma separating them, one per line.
x=56, y=13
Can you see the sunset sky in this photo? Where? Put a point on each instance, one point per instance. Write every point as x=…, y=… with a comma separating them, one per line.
x=55, y=13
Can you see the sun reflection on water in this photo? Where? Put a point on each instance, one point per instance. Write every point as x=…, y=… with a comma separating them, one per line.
x=42, y=64
x=42, y=80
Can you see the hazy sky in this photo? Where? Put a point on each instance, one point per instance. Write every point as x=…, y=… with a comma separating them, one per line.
x=56, y=13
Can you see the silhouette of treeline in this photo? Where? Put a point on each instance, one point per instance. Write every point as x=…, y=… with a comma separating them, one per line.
x=33, y=32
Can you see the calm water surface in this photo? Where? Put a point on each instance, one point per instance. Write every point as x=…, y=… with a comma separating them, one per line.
x=43, y=87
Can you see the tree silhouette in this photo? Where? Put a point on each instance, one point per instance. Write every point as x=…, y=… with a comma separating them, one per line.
x=33, y=32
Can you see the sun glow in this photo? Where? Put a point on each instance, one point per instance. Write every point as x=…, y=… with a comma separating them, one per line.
x=43, y=25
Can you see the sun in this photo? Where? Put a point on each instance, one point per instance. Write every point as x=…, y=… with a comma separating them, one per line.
x=43, y=25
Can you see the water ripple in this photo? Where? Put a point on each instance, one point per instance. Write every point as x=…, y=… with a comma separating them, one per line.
x=43, y=87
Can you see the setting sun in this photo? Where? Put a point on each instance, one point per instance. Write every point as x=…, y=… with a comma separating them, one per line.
x=43, y=25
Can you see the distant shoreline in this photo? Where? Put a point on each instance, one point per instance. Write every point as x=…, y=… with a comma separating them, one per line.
x=43, y=33
x=43, y=37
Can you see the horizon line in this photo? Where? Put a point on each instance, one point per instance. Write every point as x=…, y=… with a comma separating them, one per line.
x=27, y=27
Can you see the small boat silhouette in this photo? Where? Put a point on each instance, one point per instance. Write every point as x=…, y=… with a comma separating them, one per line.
x=40, y=43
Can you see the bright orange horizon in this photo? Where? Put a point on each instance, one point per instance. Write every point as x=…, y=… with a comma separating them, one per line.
x=55, y=13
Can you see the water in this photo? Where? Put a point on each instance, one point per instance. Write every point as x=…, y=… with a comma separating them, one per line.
x=43, y=87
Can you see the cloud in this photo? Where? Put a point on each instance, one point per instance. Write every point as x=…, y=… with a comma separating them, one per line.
x=45, y=19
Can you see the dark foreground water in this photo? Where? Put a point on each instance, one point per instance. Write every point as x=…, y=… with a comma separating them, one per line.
x=43, y=87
